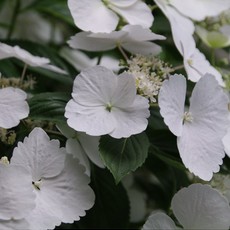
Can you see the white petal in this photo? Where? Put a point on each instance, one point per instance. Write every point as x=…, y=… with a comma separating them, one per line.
x=63, y=198
x=23, y=55
x=171, y=101
x=54, y=69
x=196, y=65
x=13, y=107
x=159, y=221
x=17, y=197
x=7, y=51
x=73, y=147
x=94, y=86
x=182, y=29
x=125, y=91
x=90, y=144
x=93, y=16
x=201, y=207
x=77, y=59
x=81, y=145
x=110, y=62
x=144, y=48
x=138, y=33
x=122, y=3
x=226, y=142
x=95, y=42
x=93, y=120
x=41, y=156
x=200, y=144
x=199, y=9
x=131, y=120
x=135, y=14
x=21, y=224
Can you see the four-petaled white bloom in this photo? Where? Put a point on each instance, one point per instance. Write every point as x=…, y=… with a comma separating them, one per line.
x=104, y=103
x=7, y=51
x=99, y=15
x=200, y=130
x=133, y=38
x=196, y=207
x=13, y=107
x=58, y=181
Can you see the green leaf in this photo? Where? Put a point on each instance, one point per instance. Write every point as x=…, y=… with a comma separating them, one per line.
x=48, y=106
x=121, y=156
x=111, y=208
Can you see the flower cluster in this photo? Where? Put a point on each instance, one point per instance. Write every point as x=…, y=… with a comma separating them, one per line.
x=149, y=73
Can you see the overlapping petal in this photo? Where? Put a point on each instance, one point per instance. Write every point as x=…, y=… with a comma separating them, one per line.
x=133, y=38
x=81, y=146
x=104, y=15
x=84, y=12
x=136, y=13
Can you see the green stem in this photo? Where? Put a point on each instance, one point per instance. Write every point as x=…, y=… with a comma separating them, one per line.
x=176, y=68
x=23, y=73
x=123, y=53
x=13, y=19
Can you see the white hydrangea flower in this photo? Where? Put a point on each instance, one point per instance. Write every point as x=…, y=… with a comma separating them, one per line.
x=102, y=14
x=82, y=146
x=199, y=130
x=196, y=207
x=7, y=51
x=13, y=107
x=133, y=38
x=53, y=173
x=195, y=63
x=104, y=103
